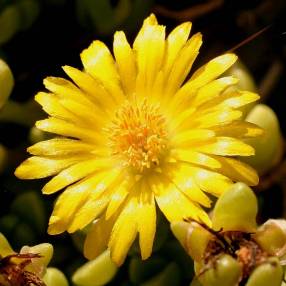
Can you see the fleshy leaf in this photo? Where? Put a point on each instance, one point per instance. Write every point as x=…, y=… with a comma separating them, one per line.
x=236, y=210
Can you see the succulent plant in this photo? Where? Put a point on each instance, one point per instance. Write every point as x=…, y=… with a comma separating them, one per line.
x=234, y=251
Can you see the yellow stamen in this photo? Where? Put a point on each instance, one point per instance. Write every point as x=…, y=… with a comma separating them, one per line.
x=138, y=135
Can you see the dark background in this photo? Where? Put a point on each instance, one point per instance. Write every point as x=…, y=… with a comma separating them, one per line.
x=62, y=29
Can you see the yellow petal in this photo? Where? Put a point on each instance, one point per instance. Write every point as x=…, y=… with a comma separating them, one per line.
x=183, y=64
x=71, y=110
x=173, y=203
x=156, y=90
x=125, y=61
x=211, y=70
x=97, y=237
x=74, y=200
x=97, y=201
x=215, y=118
x=240, y=99
x=175, y=42
x=190, y=156
x=64, y=128
x=237, y=171
x=178, y=121
x=87, y=213
x=65, y=88
x=149, y=54
x=40, y=167
x=213, y=89
x=60, y=147
x=52, y=106
x=226, y=146
x=118, y=197
x=192, y=136
x=230, y=100
x=98, y=62
x=149, y=21
x=67, y=204
x=211, y=182
x=73, y=174
x=92, y=88
x=146, y=220
x=238, y=129
x=181, y=176
x=84, y=114
x=124, y=231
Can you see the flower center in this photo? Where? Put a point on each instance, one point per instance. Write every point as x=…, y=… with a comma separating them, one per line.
x=138, y=135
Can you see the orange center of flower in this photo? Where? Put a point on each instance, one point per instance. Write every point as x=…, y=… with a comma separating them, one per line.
x=138, y=135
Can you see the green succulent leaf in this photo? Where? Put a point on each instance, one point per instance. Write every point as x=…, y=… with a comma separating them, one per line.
x=236, y=210
x=55, y=277
x=6, y=79
x=170, y=276
x=96, y=272
x=268, y=273
x=268, y=147
x=271, y=237
x=225, y=272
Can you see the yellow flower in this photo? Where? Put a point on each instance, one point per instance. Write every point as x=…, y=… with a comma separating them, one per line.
x=133, y=131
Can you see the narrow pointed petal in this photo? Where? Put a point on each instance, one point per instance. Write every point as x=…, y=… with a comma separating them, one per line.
x=183, y=179
x=192, y=136
x=97, y=238
x=146, y=220
x=97, y=202
x=211, y=70
x=125, y=60
x=215, y=118
x=149, y=54
x=73, y=174
x=186, y=155
x=211, y=182
x=238, y=129
x=40, y=167
x=124, y=231
x=149, y=21
x=60, y=147
x=226, y=146
x=213, y=89
x=65, y=89
x=65, y=209
x=175, y=42
x=92, y=87
x=118, y=197
x=98, y=62
x=73, y=201
x=183, y=64
x=181, y=207
x=85, y=114
x=52, y=106
x=237, y=170
x=64, y=128
x=230, y=100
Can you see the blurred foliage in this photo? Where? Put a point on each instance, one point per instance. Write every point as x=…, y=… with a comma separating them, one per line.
x=37, y=37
